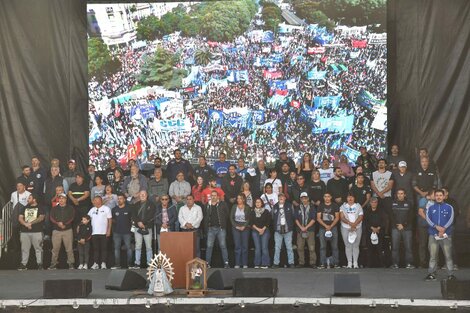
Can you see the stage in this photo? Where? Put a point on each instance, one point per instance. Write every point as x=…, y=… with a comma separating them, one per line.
x=297, y=287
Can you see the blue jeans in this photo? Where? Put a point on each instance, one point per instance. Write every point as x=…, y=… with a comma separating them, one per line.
x=240, y=240
x=278, y=238
x=446, y=245
x=397, y=235
x=118, y=238
x=221, y=235
x=261, y=248
x=138, y=246
x=334, y=246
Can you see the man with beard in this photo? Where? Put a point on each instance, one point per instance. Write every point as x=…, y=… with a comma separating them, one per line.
x=134, y=184
x=231, y=185
x=27, y=179
x=178, y=164
x=31, y=221
x=338, y=187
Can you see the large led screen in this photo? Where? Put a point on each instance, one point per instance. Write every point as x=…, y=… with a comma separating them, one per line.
x=244, y=77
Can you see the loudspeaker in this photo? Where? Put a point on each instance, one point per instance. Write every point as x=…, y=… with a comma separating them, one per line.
x=347, y=285
x=66, y=288
x=223, y=279
x=455, y=289
x=255, y=287
x=125, y=280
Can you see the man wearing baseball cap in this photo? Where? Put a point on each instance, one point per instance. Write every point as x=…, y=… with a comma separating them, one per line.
x=62, y=217
x=71, y=172
x=402, y=179
x=305, y=220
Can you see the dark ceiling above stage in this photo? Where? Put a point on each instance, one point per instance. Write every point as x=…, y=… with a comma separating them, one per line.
x=43, y=92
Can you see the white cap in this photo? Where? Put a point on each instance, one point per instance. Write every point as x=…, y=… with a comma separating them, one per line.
x=251, y=171
x=352, y=236
x=374, y=238
x=303, y=194
x=328, y=234
x=402, y=164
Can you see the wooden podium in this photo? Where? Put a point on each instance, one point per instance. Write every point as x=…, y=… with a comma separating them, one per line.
x=180, y=247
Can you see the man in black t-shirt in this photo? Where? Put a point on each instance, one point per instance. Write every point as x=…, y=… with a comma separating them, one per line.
x=338, y=187
x=328, y=218
x=122, y=223
x=31, y=220
x=79, y=197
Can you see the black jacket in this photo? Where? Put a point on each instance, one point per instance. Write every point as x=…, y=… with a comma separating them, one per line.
x=222, y=212
x=232, y=186
x=84, y=232
x=145, y=213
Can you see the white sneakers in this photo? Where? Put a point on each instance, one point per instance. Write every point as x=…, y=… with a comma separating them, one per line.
x=80, y=267
x=95, y=266
x=85, y=266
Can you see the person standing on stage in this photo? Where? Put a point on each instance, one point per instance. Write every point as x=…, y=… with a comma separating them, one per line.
x=351, y=230
x=31, y=220
x=328, y=218
x=216, y=220
x=305, y=218
x=190, y=217
x=440, y=218
x=283, y=222
x=101, y=222
x=122, y=224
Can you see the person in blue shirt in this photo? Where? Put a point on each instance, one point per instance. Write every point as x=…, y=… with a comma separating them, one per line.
x=440, y=217
x=221, y=167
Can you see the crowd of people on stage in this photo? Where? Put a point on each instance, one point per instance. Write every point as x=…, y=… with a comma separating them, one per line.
x=363, y=211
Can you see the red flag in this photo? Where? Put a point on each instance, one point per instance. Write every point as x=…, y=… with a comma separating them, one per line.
x=282, y=92
x=134, y=150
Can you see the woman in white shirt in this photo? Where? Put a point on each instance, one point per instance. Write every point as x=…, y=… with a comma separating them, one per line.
x=351, y=222
x=273, y=180
x=269, y=197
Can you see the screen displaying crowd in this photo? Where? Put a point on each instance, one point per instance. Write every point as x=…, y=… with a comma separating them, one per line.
x=298, y=88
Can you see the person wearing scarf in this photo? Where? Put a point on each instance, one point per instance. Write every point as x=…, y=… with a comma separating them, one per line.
x=239, y=217
x=260, y=221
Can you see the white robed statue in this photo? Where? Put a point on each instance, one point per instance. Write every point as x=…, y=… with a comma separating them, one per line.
x=159, y=284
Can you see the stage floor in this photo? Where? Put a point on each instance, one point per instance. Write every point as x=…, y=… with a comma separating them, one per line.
x=293, y=283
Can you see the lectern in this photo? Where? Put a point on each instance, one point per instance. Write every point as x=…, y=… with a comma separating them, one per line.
x=180, y=247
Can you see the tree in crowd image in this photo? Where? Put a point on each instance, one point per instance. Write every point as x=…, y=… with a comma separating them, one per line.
x=236, y=77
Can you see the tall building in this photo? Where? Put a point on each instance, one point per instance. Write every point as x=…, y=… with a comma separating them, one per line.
x=116, y=23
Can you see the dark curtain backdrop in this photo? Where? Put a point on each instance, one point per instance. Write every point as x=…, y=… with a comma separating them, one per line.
x=43, y=78
x=43, y=85
x=429, y=83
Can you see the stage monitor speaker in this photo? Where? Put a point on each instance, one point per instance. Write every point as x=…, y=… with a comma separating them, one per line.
x=255, y=287
x=455, y=289
x=223, y=279
x=66, y=288
x=125, y=280
x=347, y=285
